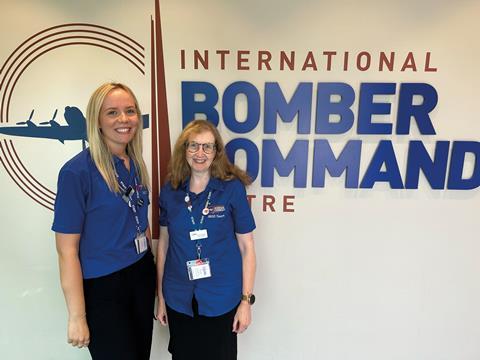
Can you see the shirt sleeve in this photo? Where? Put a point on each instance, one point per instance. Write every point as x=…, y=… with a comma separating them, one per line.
x=162, y=203
x=70, y=203
x=242, y=214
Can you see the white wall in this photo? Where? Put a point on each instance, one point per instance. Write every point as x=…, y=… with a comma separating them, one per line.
x=351, y=274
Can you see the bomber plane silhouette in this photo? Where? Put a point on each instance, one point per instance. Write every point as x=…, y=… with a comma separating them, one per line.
x=76, y=128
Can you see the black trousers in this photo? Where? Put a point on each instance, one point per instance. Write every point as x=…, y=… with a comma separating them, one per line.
x=201, y=337
x=120, y=309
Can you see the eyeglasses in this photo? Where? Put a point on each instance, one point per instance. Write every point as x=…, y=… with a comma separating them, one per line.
x=207, y=148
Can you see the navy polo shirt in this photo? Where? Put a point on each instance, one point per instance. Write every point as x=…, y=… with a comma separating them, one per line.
x=85, y=205
x=229, y=214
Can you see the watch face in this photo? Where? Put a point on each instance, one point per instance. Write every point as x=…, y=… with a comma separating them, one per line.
x=252, y=299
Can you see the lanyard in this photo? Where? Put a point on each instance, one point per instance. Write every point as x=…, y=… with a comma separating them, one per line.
x=205, y=212
x=127, y=197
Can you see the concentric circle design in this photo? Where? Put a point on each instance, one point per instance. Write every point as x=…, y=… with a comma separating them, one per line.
x=39, y=44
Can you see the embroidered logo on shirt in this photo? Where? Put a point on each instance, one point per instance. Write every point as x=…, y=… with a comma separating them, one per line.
x=216, y=211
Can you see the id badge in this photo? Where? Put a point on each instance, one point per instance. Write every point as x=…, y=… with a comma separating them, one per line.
x=141, y=243
x=198, y=234
x=198, y=269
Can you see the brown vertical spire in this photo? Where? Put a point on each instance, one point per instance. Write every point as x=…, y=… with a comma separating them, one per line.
x=160, y=149
x=153, y=115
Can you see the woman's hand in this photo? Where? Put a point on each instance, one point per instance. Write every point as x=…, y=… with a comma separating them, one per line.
x=72, y=285
x=78, y=333
x=162, y=248
x=162, y=311
x=243, y=317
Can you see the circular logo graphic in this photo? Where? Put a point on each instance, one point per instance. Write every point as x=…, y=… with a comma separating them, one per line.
x=30, y=51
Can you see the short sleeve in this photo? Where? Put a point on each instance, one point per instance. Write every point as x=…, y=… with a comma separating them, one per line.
x=242, y=214
x=70, y=203
x=162, y=203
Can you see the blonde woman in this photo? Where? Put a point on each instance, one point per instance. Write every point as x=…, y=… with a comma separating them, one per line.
x=107, y=271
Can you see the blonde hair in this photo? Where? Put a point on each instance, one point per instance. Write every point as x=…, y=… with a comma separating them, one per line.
x=101, y=154
x=221, y=167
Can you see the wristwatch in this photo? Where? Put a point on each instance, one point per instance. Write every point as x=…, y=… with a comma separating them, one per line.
x=250, y=298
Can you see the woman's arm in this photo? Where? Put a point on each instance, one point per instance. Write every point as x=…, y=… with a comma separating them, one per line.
x=72, y=285
x=243, y=316
x=161, y=254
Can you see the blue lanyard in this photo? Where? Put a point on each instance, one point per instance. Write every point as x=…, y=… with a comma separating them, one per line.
x=127, y=197
x=204, y=211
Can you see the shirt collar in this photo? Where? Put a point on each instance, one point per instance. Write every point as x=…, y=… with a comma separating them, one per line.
x=117, y=160
x=119, y=164
x=214, y=184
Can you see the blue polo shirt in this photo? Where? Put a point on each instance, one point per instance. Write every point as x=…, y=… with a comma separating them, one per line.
x=85, y=205
x=229, y=213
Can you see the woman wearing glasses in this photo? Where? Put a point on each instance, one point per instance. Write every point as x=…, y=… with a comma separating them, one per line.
x=206, y=254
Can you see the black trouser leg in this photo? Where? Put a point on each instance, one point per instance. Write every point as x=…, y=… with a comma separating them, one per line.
x=201, y=337
x=120, y=312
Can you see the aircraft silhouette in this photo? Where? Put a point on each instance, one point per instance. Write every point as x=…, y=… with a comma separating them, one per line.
x=76, y=128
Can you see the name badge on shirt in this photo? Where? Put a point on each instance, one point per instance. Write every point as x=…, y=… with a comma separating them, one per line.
x=141, y=243
x=198, y=234
x=198, y=269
